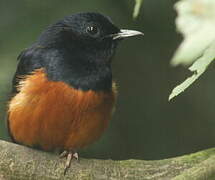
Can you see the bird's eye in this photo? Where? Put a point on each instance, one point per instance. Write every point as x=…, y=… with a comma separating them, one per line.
x=92, y=30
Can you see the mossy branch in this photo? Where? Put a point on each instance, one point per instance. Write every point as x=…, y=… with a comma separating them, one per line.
x=19, y=162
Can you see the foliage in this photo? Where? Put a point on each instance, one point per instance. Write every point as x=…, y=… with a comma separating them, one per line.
x=196, y=22
x=137, y=7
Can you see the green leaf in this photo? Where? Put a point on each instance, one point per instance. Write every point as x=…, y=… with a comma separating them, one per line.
x=198, y=68
x=137, y=7
x=196, y=22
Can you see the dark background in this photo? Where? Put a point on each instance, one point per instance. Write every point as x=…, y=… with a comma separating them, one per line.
x=145, y=125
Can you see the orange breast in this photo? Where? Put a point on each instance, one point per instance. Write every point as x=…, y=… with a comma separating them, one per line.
x=54, y=115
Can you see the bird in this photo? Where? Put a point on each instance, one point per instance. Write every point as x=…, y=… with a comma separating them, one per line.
x=63, y=94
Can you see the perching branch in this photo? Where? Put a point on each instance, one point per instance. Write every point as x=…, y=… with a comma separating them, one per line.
x=19, y=162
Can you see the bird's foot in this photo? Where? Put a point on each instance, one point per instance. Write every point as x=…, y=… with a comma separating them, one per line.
x=69, y=156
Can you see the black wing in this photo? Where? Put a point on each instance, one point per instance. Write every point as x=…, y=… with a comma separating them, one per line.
x=29, y=60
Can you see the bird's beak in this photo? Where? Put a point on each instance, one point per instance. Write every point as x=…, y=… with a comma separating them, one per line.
x=124, y=33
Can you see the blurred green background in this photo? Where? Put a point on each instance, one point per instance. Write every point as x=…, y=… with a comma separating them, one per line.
x=145, y=125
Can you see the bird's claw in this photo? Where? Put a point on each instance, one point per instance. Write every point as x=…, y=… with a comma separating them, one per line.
x=63, y=154
x=69, y=155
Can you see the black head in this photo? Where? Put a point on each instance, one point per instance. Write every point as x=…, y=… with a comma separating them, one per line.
x=91, y=33
x=78, y=50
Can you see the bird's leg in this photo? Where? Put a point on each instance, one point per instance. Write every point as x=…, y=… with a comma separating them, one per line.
x=68, y=161
x=69, y=155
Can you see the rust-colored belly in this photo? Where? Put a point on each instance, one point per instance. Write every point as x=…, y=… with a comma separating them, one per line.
x=53, y=115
